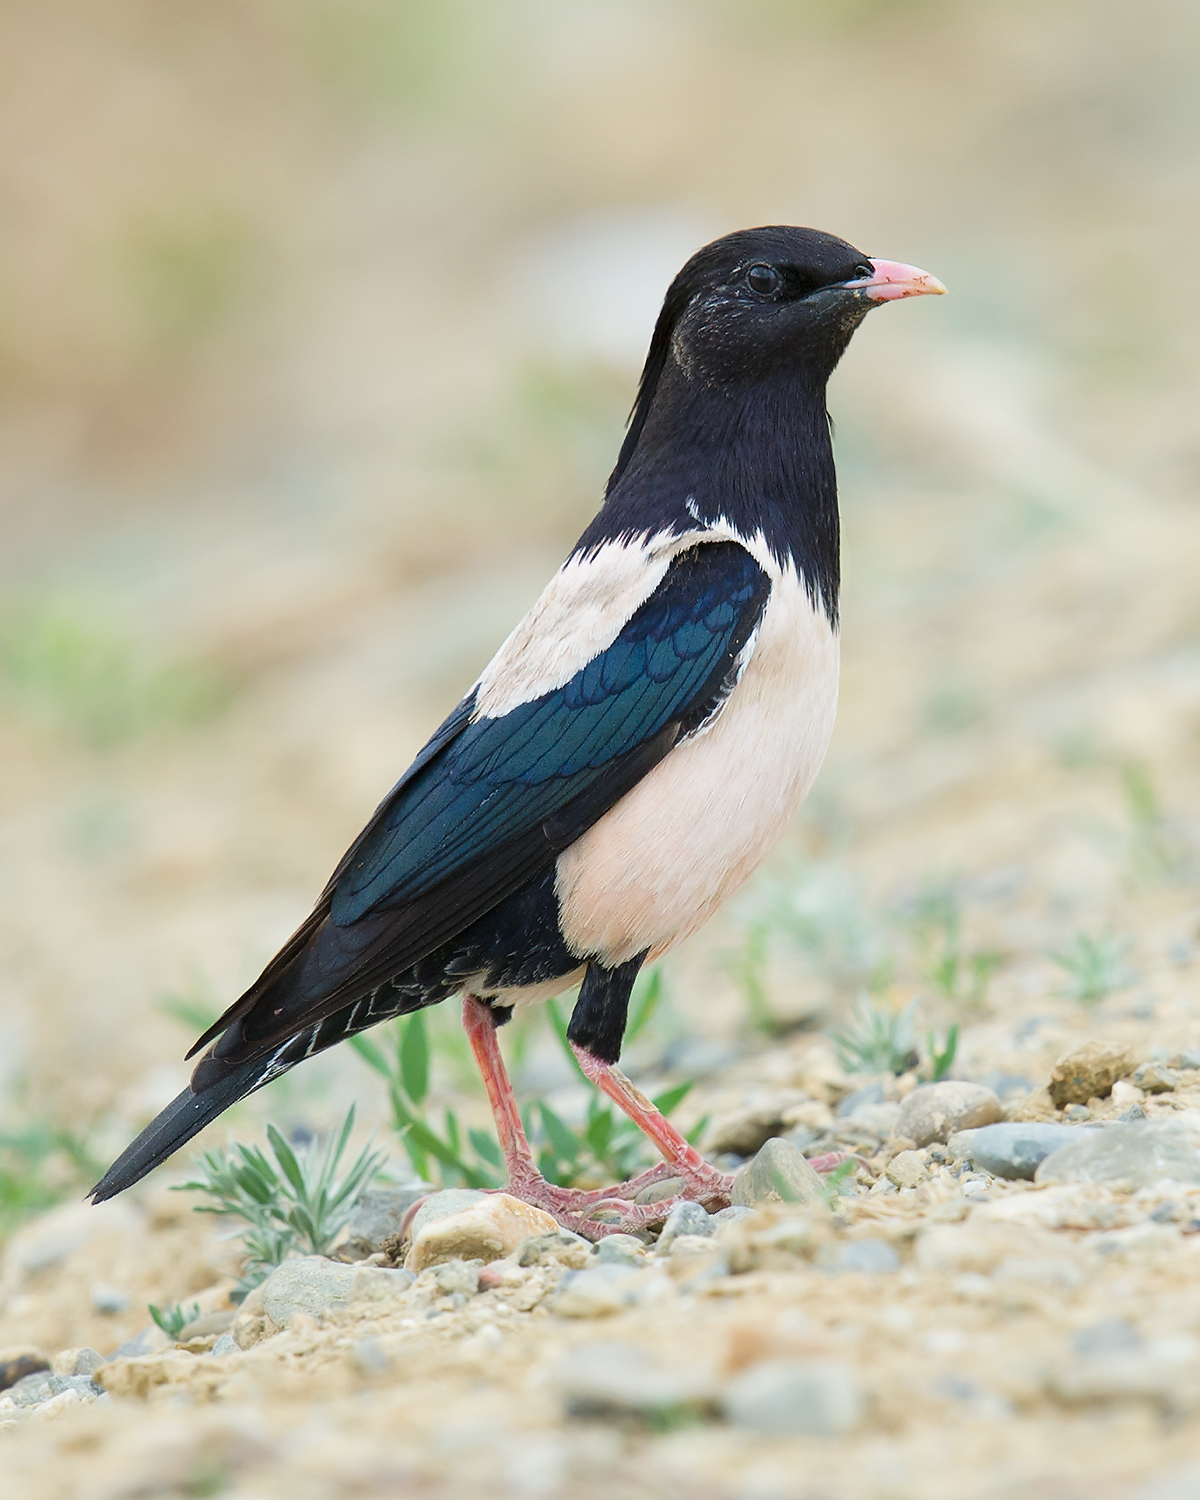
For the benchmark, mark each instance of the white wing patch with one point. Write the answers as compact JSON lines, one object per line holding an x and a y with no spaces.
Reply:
{"x":585,"y":607}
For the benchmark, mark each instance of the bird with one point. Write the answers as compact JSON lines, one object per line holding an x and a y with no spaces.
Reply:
{"x":632,"y":751}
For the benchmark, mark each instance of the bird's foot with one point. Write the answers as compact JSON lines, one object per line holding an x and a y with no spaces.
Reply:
{"x":597,"y":1212}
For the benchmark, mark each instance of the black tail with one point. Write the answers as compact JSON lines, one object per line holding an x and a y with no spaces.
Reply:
{"x":223,"y":1084}
{"x":183,"y":1118}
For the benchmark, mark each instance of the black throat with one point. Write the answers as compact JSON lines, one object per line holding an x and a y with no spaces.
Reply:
{"x":758,"y":454}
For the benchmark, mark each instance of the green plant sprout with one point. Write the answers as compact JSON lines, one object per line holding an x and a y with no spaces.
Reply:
{"x":175,"y":1318}
{"x":1094,"y":965}
{"x":961,"y":977}
{"x":941,"y":1060}
{"x":402,"y":1060}
{"x":606,"y":1145}
{"x":297,"y":1203}
{"x":877,"y":1040}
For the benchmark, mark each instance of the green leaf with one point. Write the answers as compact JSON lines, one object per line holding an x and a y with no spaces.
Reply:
{"x":559,"y":1023}
{"x":414,"y":1059}
{"x":645,"y":1004}
{"x":693,"y":1135}
{"x":371,"y":1055}
{"x":563,"y":1141}
{"x":486,"y":1146}
{"x":671,"y":1098}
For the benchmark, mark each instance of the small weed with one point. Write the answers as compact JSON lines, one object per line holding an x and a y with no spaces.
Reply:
{"x":298,"y":1202}
{"x":941,"y":1060}
{"x":1094,"y":965}
{"x":175,"y":1318}
{"x":937,"y":921}
{"x":608,"y":1146}
{"x":877,"y":1040}
{"x":402,"y":1059}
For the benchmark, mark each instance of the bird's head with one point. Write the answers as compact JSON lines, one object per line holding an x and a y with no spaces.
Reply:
{"x":763,"y":304}
{"x":775,"y":299}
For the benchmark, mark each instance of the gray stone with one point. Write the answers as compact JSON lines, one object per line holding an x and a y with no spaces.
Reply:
{"x":1139,"y":1154}
{"x":87,"y":1362}
{"x":379,"y":1215}
{"x":624,"y":1381}
{"x":936,"y":1111}
{"x":872,"y":1093}
{"x":311,"y":1283}
{"x":1154,"y":1078}
{"x":31,"y":1390}
{"x":457,"y":1277}
{"x":873,"y":1256}
{"x":1010,"y":1150}
{"x":778,"y":1174}
{"x":597,"y":1291}
{"x":560,"y":1246}
{"x":795,"y":1398}
{"x":110,"y":1300}
{"x":1188,"y":1058}
{"x":148,"y":1341}
{"x":369,"y":1358}
{"x":1109,"y":1336}
{"x":730,"y":1215}
{"x":685,"y":1218}
{"x":226,"y":1344}
{"x":620,"y":1250}
{"x":85,"y":1388}
{"x":442,"y":1205}
{"x":660,"y":1192}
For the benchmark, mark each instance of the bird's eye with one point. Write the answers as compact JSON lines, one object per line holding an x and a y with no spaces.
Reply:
{"x":763,"y":279}
{"x":866,"y":269}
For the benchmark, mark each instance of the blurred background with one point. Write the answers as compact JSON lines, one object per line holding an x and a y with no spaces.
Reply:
{"x":319,"y":323}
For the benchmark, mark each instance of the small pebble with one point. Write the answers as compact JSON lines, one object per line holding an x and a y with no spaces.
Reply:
{"x":621,"y":1250}
{"x":488,"y":1228}
{"x":795,"y":1398}
{"x":559,"y":1246}
{"x":936,"y":1111}
{"x":110,"y":1300}
{"x":731,"y":1215}
{"x":226,"y":1344}
{"x":660,"y":1192}
{"x":685,"y":1218}
{"x":368,"y":1357}
{"x":597,"y":1292}
{"x":1154,"y":1078}
{"x":872,"y":1256}
{"x":1089,"y":1072}
{"x":778,"y":1174}
{"x":1010,"y":1150}
{"x":607,"y":1380}
{"x":907,"y":1169}
{"x":1077,"y":1113}
{"x":379,"y":1215}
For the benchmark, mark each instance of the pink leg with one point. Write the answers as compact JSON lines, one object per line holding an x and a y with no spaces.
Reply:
{"x":702,"y":1181}
{"x":571,"y":1206}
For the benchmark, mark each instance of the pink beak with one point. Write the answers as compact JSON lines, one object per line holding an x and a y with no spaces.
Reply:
{"x":893,"y":280}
